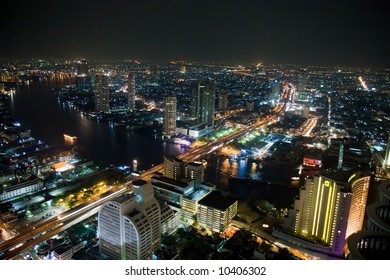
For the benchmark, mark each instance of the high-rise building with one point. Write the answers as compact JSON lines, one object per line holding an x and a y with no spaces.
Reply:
{"x":102,"y":101}
{"x":276,"y":89}
{"x":359,"y":188}
{"x":169,"y":122}
{"x":203,"y":101}
{"x":302,"y":80}
{"x":173,"y":167}
{"x":387,"y":156}
{"x":223,"y":101}
{"x":129,"y":227}
{"x":373,"y":242}
{"x":131,"y":91}
{"x":82,"y":68}
{"x":194,"y":171}
{"x":330,"y":208}
{"x":215,"y":212}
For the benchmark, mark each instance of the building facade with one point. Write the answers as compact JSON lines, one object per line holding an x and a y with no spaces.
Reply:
{"x":131,"y":91}
{"x":329,"y":209}
{"x":169,"y":121}
{"x":129,"y":227}
{"x":203,"y":101}
{"x":215,"y":212}
{"x":102,"y":95}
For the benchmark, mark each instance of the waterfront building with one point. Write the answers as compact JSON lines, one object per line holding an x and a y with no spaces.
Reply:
{"x":173,"y":167}
{"x":129,"y":227}
{"x":203,"y":101}
{"x":101,"y":90}
{"x":82,"y":68}
{"x":194,"y":171}
{"x":215,"y":211}
{"x":131,"y":91}
{"x":169,"y":121}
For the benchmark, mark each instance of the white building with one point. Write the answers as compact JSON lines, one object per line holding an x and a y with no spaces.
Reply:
{"x":130,"y":225}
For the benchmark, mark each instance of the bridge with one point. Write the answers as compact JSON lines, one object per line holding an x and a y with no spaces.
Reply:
{"x":47,"y":229}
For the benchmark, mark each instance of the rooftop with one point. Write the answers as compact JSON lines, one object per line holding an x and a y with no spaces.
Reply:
{"x":217,"y":201}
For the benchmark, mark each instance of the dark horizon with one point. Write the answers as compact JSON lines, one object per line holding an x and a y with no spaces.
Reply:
{"x":327,"y":32}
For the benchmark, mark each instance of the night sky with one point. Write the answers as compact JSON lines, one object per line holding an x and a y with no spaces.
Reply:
{"x":324,"y":32}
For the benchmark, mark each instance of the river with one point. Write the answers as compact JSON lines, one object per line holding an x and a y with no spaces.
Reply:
{"x":36,"y":107}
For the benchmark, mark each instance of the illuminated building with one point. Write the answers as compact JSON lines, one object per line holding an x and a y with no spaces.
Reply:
{"x":223,"y":101}
{"x":194,"y":171}
{"x":203,"y":101}
{"x":82,"y":68}
{"x":215,"y":212}
{"x":312,"y":161}
{"x":373,"y":243}
{"x":182,"y":196}
{"x":169,"y":122}
{"x":101,"y":91}
{"x":359,"y":187}
{"x":173,"y":167}
{"x":276,"y":88}
{"x":129,"y":226}
{"x":387,"y":156}
{"x":170,"y":219}
{"x":131,"y":91}
{"x":330,"y":207}
{"x":29,"y":187}
{"x":341,"y":156}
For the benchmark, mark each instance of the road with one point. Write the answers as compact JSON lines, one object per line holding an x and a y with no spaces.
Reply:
{"x":33,"y":235}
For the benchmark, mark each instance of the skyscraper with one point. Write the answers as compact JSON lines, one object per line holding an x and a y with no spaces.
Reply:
{"x":169,"y":122}
{"x":203,"y":101}
{"x":223,"y":101}
{"x":330,"y":208}
{"x":359,"y":188}
{"x":194,"y":171}
{"x":131,"y":91}
{"x":102,"y":101}
{"x":173,"y":167}
{"x":82,"y":68}
{"x":129,"y":226}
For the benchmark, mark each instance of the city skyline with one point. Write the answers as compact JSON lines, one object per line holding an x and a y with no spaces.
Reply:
{"x":352,"y":33}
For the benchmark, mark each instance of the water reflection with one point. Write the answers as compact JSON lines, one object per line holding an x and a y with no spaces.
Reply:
{"x":38,"y":109}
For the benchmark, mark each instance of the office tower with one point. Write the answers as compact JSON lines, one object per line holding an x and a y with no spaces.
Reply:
{"x":169,"y":122}
{"x":129,"y":226}
{"x":194,"y":171}
{"x":387,"y":156}
{"x":223,"y":101}
{"x":102,"y":102}
{"x":330,"y":207}
{"x":203,"y":102}
{"x":215,"y":212}
{"x":131,"y":91}
{"x":82,"y":68}
{"x":173,"y":167}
